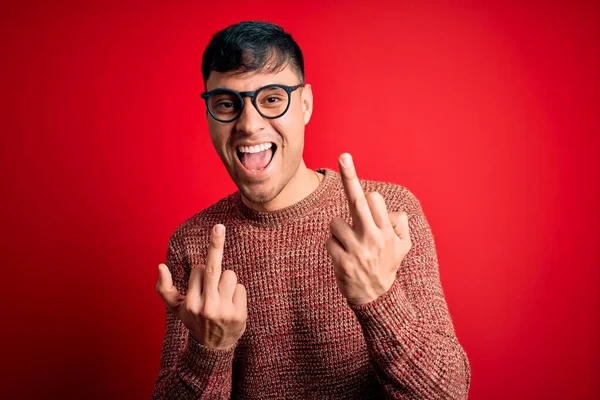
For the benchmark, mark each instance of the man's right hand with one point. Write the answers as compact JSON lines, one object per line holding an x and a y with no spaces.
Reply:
{"x":215,"y":306}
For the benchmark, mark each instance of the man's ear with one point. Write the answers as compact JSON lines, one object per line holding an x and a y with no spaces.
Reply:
{"x":307,"y":102}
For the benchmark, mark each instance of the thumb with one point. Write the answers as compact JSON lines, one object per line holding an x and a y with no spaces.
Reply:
{"x":165,"y":288}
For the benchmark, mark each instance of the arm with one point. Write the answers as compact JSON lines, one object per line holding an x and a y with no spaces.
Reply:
{"x":393,"y":287}
{"x":188,"y":369}
{"x":409,"y":330}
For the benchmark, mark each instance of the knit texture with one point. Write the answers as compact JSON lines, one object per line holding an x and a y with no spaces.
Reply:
{"x":303,"y":339}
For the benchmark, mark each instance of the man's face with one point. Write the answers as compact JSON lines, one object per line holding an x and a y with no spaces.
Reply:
{"x":261,"y":173}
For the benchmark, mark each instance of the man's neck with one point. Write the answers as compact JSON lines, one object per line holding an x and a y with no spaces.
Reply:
{"x":302,"y":184}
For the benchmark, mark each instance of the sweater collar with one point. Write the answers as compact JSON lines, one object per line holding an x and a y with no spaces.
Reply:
{"x":295,"y":211}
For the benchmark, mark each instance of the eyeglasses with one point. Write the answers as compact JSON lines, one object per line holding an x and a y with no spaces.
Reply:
{"x":271,"y":101}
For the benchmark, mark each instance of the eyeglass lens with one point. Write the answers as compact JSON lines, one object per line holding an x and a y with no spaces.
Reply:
{"x":271,"y":102}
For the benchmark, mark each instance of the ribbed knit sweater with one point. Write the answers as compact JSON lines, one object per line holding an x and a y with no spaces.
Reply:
{"x":303,"y":339}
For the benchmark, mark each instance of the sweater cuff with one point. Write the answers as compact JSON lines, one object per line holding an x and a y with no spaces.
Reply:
{"x":384,"y":316}
{"x":204,"y":361}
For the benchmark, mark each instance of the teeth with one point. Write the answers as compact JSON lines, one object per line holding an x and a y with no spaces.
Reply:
{"x":255,"y":149}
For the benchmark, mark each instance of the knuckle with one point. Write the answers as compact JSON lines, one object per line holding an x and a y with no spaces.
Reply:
{"x":209,"y":270}
{"x":209,"y":313}
{"x":364,"y":256}
{"x":191,"y":308}
{"x":373,"y":196}
{"x":229,"y":316}
{"x":377,"y":242}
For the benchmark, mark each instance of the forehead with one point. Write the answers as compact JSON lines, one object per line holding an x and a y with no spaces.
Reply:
{"x":250,"y":81}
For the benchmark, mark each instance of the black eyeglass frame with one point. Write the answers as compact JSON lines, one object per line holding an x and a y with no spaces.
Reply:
{"x":252,"y":95}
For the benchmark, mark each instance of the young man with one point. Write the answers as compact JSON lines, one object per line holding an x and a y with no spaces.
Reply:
{"x":304,"y":284}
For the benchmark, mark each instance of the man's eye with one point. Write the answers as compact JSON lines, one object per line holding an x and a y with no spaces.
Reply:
{"x":226,"y":105}
{"x":271,"y":101}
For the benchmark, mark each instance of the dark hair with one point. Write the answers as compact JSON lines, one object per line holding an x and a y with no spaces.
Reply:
{"x":252,"y":46}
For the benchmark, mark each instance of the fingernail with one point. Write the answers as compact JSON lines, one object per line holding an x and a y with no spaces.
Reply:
{"x":346,"y":160}
{"x":218,"y":229}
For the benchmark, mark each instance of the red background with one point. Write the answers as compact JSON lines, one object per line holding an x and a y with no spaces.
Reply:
{"x":488,"y":113}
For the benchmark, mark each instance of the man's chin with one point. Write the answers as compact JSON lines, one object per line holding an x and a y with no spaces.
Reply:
{"x":256,"y":196}
{"x":259,"y":193}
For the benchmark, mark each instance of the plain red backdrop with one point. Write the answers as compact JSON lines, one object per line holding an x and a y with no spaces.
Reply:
{"x":488,"y":113}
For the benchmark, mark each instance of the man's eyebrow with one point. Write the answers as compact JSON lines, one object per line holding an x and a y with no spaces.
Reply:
{"x":243,"y":91}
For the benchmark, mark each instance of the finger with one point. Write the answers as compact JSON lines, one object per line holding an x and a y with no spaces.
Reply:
{"x":195,"y":282}
{"x":343,"y":233}
{"x":361,"y":215}
{"x":227,"y":285}
{"x":378,"y":210}
{"x":335,"y":250}
{"x":240,"y":298}
{"x":399,"y":221}
{"x":165,"y":288}
{"x":212,"y":272}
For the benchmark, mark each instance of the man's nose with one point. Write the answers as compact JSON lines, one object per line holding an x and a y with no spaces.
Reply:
{"x":250,"y":121}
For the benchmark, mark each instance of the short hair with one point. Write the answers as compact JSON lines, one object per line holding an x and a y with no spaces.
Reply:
{"x":252,"y":46}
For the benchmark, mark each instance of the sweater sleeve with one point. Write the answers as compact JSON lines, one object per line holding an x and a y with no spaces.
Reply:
{"x":189,"y":370}
{"x":409,"y":331}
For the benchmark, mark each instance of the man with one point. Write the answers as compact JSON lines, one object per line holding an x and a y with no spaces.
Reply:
{"x":303,"y":284}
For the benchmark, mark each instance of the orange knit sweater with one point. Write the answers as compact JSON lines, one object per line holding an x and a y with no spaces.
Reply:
{"x":303,"y":340}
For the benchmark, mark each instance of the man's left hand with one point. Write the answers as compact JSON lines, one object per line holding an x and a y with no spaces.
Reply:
{"x":366,"y":256}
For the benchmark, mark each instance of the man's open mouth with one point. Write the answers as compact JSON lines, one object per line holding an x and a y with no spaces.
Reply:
{"x":258,"y":157}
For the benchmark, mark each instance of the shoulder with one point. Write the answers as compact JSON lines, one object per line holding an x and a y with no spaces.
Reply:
{"x":397,"y":197}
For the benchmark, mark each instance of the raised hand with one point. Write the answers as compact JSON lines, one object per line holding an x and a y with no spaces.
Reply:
{"x":214,"y":308}
{"x":366,"y":256}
